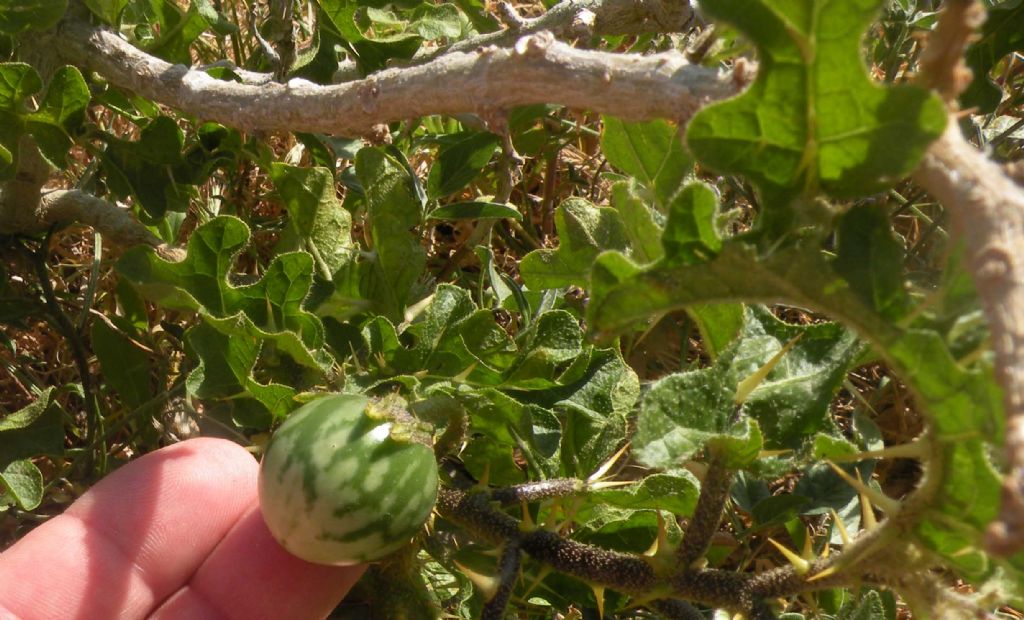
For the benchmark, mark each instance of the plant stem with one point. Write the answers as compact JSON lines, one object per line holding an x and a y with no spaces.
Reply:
{"x":93,"y":419}
{"x":714,"y":492}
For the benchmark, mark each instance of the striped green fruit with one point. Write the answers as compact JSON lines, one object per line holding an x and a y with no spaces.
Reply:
{"x":343,"y":483}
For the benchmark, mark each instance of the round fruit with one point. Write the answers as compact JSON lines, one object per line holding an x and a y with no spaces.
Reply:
{"x":342,"y":482}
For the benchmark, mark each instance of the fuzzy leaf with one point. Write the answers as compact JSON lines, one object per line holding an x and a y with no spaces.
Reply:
{"x":23,"y":482}
{"x":394,"y":210}
{"x":792,"y":402}
{"x":640,"y":222}
{"x":35,"y":429}
{"x":225,"y":373}
{"x":813,"y":120}
{"x":125,"y":367}
{"x":690,"y":235}
{"x":459,"y":161}
{"x":476,"y":210}
{"x":107,"y":10}
{"x":870,"y":257}
{"x":316,"y":216}
{"x":61,"y":113}
{"x":584,"y":231}
{"x":683,"y":413}
{"x":650,"y":152}
{"x":145,"y":168}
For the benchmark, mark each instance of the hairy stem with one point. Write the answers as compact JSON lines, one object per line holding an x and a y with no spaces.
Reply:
{"x":508,"y":570}
{"x":714,"y":492}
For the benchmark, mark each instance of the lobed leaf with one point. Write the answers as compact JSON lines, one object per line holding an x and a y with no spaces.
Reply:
{"x":813,"y":121}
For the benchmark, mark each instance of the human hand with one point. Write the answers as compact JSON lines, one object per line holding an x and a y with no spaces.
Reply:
{"x":175,"y":534}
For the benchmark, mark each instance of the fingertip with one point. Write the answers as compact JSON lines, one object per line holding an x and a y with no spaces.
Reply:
{"x":136,"y":536}
{"x":263,"y":578}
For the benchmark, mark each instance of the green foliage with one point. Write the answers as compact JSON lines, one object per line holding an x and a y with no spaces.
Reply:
{"x":318,"y":223}
{"x":681,"y":348}
{"x":649,"y":152}
{"x":813,"y":121}
{"x":584,"y":231}
{"x":459,"y":161}
{"x":36,"y":429}
{"x":1002,"y":33}
{"x":17,"y":16}
{"x":107,"y":10}
{"x":52,"y":124}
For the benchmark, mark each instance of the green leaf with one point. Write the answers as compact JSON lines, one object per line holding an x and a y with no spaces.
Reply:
{"x":199,"y":283}
{"x":66,"y":99}
{"x":641,"y":223}
{"x":960,"y":403}
{"x":370,"y":54}
{"x":650,"y":152}
{"x":870,"y":257}
{"x":1002,"y":33}
{"x":735,"y":274}
{"x":178,"y":30}
{"x":675,"y":493}
{"x":869,"y":607}
{"x":813,"y":120}
{"x":225,"y":372}
{"x":459,"y":162}
{"x":23,"y":481}
{"x":18,"y":82}
{"x":217,"y":20}
{"x":145,"y":168}
{"x":107,"y":10}
{"x":792,"y":402}
{"x":317,"y":222}
{"x":125,"y":367}
{"x":552,"y":340}
{"x":453,"y":336}
{"x":777,"y":509}
{"x":826,"y":491}
{"x":476,"y":210}
{"x":17,"y":16}
{"x":394,"y":210}
{"x":443,"y":21}
{"x":584,"y":231}
{"x":718,"y":324}
{"x":341,"y":14}
{"x":500,"y":424}
{"x":61,"y":113}
{"x":33,"y":430}
{"x":690,"y":235}
{"x":683,"y":413}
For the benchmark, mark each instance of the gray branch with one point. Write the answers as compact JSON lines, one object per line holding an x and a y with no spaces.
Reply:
{"x":56,"y":207}
{"x":538,"y":69}
{"x":987,"y":208}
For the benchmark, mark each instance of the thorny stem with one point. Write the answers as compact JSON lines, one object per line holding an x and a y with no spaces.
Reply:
{"x":714,"y":492}
{"x":533,"y":491}
{"x":508,"y":570}
{"x":637,"y":575}
{"x":674,"y":609}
